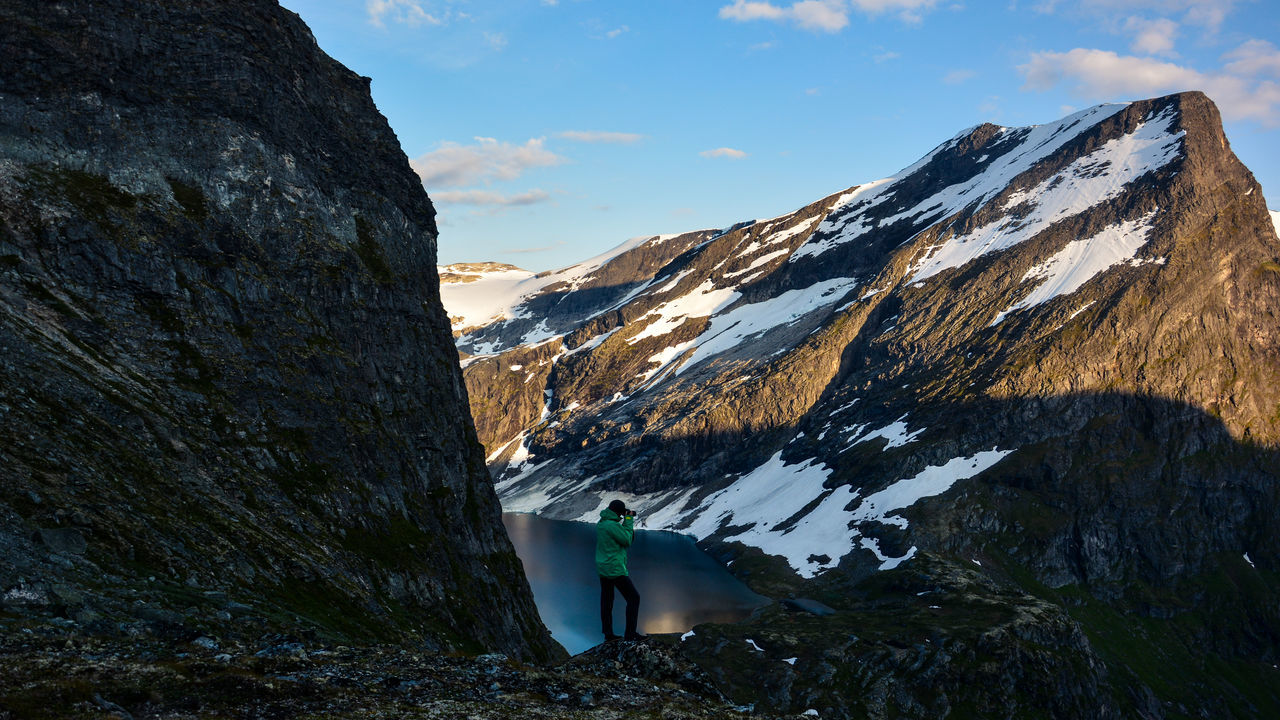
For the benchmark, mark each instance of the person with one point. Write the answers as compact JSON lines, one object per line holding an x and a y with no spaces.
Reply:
{"x":614,"y":534}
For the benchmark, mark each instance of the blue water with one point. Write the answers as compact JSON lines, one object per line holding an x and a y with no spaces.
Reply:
{"x":680,"y":586}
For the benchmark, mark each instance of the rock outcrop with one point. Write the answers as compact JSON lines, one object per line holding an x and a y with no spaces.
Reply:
{"x":228,"y":388}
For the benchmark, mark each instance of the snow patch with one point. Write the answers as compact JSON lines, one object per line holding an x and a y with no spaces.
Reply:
{"x":729,"y":329}
{"x":895,"y":433}
{"x":838,"y":232}
{"x":763,"y":259}
{"x":773,"y":493}
{"x":1077,"y":263}
{"x":699,"y":302}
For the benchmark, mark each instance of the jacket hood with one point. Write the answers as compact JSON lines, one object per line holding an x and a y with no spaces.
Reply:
{"x":607,"y":514}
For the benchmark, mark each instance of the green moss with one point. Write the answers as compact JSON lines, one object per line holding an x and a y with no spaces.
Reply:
{"x":47,"y":700}
{"x":399,"y":544}
{"x":1172,"y":655}
{"x":191,"y":199}
{"x":94,"y":195}
{"x":370,"y":253}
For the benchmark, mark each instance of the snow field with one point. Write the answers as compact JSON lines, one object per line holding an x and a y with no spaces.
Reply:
{"x":1078,"y":262}
{"x":774,"y":492}
{"x":702,"y":301}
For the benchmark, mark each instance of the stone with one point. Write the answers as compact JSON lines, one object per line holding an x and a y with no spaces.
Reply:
{"x":63,"y":540}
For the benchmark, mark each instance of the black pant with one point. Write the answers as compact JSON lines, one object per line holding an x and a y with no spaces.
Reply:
{"x":629,"y":593}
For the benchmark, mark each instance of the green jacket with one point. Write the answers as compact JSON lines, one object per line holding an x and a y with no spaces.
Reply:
{"x":612,"y":540}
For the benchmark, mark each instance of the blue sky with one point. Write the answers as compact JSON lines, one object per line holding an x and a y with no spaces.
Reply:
{"x":547,"y":131}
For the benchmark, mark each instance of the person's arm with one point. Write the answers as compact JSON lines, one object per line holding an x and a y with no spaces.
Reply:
{"x":623,"y":532}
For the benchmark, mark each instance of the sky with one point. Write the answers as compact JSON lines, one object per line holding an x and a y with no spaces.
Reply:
{"x":548,"y":131}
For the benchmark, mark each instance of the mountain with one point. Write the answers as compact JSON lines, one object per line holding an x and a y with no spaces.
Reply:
{"x":1023,"y":398}
{"x":230,"y":397}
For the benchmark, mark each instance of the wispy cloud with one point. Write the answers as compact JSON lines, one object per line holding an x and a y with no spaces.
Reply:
{"x":958,"y":76}
{"x":907,"y":10}
{"x":819,"y":15}
{"x":616,"y":32}
{"x":488,"y":197}
{"x":1152,"y":37}
{"x":1245,"y":88}
{"x":404,"y":12}
{"x":454,"y":165}
{"x":497,"y":41}
{"x":723,"y":152}
{"x":1206,"y":15}
{"x":886,"y":56}
{"x":597,"y":136}
{"x":823,"y":15}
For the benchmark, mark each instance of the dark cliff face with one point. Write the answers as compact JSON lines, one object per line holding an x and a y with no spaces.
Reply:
{"x":226,"y":374}
{"x":1047,"y":355}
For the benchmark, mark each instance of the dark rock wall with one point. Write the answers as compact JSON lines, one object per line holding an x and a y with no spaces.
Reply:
{"x":225,"y":362}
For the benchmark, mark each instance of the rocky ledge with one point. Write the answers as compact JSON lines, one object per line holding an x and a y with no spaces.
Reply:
{"x":52,"y":669}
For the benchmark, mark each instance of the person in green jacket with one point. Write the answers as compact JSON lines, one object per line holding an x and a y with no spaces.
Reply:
{"x":614,"y":534}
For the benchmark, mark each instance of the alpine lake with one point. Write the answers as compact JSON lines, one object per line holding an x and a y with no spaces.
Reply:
{"x":680,"y":585}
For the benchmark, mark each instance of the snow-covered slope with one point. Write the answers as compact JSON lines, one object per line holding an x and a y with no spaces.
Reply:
{"x":480,"y":295}
{"x":804,"y":384}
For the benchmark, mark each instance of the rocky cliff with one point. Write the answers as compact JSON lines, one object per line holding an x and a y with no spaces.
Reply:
{"x":1045,"y":355}
{"x":229,"y":395}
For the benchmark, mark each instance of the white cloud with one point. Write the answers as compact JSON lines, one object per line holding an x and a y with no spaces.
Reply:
{"x":1204,"y":14}
{"x":497,"y":41}
{"x":616,"y":32}
{"x":1239,"y":89}
{"x":886,"y":56}
{"x":742,"y":11}
{"x":405,"y":12}
{"x":908,"y":10}
{"x":723,"y":152}
{"x":1153,"y":37}
{"x":454,"y":165}
{"x":955,"y":77}
{"x":487,"y":197}
{"x":1256,"y":57}
{"x":1207,"y":14}
{"x":823,"y":15}
{"x":597,"y":136}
